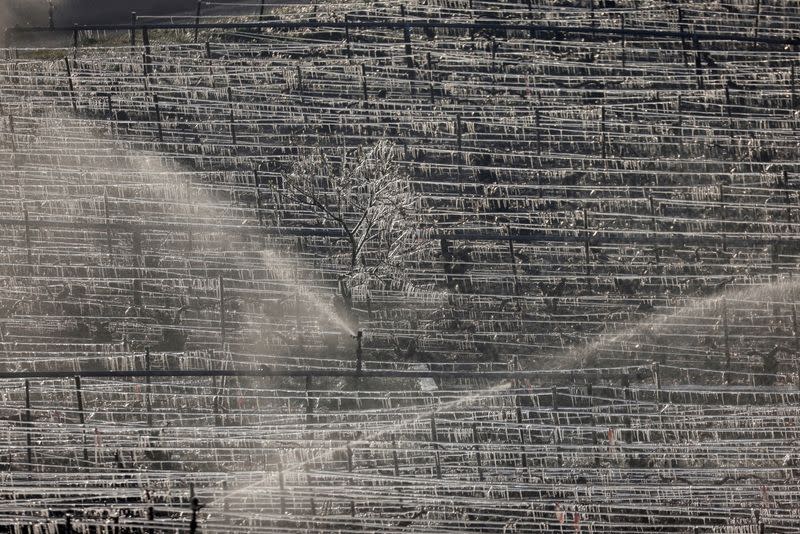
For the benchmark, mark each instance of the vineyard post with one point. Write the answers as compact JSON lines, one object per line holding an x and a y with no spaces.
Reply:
{"x":157,"y":109}
{"x":195,"y":507}
{"x":726,"y":336}
{"x":395,"y":459}
{"x":532,"y":33}
{"x":587,"y":247}
{"x":603,"y":149}
{"x":512,"y":259}
{"x":13,"y":136}
{"x":221,"y":297}
{"x":282,"y":487}
{"x":364,"y":83}
{"x":133,"y":28}
{"x":347,"y":36}
{"x":478,"y":460}
{"x":682,"y":30}
{"x":138,"y":262}
{"x":557,"y":423}
{"x":231,"y":117}
{"x":522,"y":455}
{"x":407,"y":41}
{"x":349,"y":452}
{"x":28,"y":236}
{"x":593,"y":423}
{"x":796,"y":333}
{"x":446,"y":265}
{"x":435,"y":445}
{"x":757,"y":23}
{"x":472,"y":19}
{"x":75,"y":39}
{"x":28,"y":425}
{"x":787,"y":199}
{"x":215,"y":400}
{"x":309,"y":401}
{"x":430,"y":77}
{"x":147,"y":399}
{"x":459,"y":139}
{"x":679,"y":112}
{"x":108,"y":222}
{"x":197,"y":19}
{"x":359,"y":354}
{"x":722,"y":215}
{"x":259,"y":205}
{"x":622,"y":36}
{"x":698,"y":64}
{"x":261,"y":10}
{"x":312,"y":505}
{"x":71,"y":85}
{"x":81,"y":417}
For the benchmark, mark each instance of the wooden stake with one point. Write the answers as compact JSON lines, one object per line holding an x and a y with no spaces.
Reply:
{"x":147,"y":399}
{"x":259,"y":206}
{"x":11,"y":129}
{"x":359,"y":354}
{"x":28,"y":236}
{"x":796,"y":333}
{"x":723,"y":216}
{"x":430,"y":77}
{"x":108,"y":222}
{"x":622,"y":36}
{"x":459,"y":139}
{"x":698,"y":65}
{"x":282,"y":487}
{"x":157,"y":109}
{"x":435,"y":445}
{"x":28,"y":425}
{"x":71,"y":85}
{"x":522,"y":455}
{"x":513,"y":260}
{"x":411,"y":73}
{"x":757,"y":23}
{"x":215,"y":401}
{"x":587,"y":247}
{"x":81,"y":417}
{"x":364,"y":82}
{"x":603,"y":149}
{"x":221,"y":296}
{"x":309,"y":401}
{"x":231,"y":116}
{"x":133,"y":28}
{"x":347,"y":36}
{"x":478,"y":459}
{"x":725,"y":334}
{"x":682,"y":30}
{"x":197,"y":19}
{"x":395,"y":460}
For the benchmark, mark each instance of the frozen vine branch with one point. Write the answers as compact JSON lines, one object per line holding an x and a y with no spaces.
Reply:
{"x":367,"y":195}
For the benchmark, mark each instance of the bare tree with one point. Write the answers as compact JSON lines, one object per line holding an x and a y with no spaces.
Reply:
{"x":366,"y":194}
